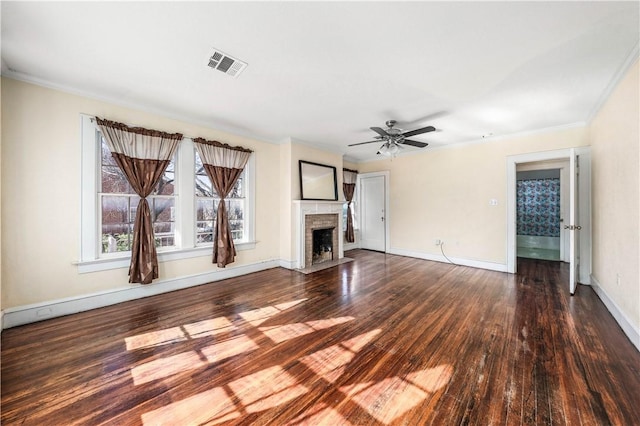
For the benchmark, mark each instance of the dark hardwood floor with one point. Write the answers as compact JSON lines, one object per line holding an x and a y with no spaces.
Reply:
{"x":382,"y":340}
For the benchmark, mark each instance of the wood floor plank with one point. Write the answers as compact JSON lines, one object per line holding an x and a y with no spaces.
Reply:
{"x":382,"y":340}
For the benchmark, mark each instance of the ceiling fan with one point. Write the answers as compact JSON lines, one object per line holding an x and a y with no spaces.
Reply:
{"x":394,"y":138}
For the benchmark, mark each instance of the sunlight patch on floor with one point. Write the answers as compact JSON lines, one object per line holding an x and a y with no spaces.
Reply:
{"x":210,"y":327}
{"x":320,"y":414}
{"x":176,"y":364}
{"x":155,"y":338}
{"x":330,"y":363}
{"x":266,"y":389}
{"x":228,"y":348}
{"x":166,"y":366}
{"x":256,"y":317}
{"x":256,"y":392}
{"x":390,"y":398}
{"x":385,"y":400}
{"x":282,"y":333}
{"x":213,"y":406}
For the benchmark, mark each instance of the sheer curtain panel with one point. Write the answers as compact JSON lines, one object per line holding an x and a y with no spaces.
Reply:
{"x":224,"y":165}
{"x":143,"y":155}
{"x":349,"y":186}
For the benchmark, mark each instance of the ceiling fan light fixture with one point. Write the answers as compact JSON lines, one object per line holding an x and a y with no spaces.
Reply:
{"x":390,"y":149}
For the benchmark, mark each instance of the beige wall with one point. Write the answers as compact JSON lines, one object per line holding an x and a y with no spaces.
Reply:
{"x":444,"y":194}
{"x":0,"y":206}
{"x":615,"y":136}
{"x":40,"y":168}
{"x":350,"y":165}
{"x":286,"y":205}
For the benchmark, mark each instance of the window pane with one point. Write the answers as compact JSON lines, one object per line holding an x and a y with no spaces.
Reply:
{"x":116,"y":224}
{"x":162,"y":209}
{"x":167,"y":182}
{"x":204,"y":187}
{"x":206,"y":209}
{"x":105,"y":154}
{"x":204,"y":231}
{"x":164,"y":234}
{"x":238,"y":190}
{"x":162,"y":215}
{"x":235,"y":210}
{"x":114,"y":182}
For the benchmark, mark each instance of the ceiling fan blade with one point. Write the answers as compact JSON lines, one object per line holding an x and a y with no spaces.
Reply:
{"x":379,"y":131}
{"x":414,"y":143}
{"x":419,"y":131}
{"x":362,"y":143}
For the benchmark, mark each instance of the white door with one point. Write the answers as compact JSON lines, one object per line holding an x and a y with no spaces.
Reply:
{"x":572,"y":226}
{"x":579,"y":226}
{"x":372,"y":212}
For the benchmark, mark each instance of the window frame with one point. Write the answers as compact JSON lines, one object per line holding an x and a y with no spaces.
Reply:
{"x":246,"y":226}
{"x":91,"y":258}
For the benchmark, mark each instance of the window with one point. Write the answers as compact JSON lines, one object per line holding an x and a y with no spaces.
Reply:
{"x":183,"y":207}
{"x":353,"y":212}
{"x":118,"y":204}
{"x":207,"y":201}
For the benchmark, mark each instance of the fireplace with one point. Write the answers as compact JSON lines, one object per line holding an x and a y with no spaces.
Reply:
{"x":316,"y":215}
{"x":320,"y":230}
{"x":322,"y":245}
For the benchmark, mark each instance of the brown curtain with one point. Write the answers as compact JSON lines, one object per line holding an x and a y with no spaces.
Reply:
{"x":143,"y":155}
{"x":349,"y":187}
{"x":224,"y":165}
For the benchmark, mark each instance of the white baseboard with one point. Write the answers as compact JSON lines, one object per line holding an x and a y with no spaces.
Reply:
{"x":287,"y":264}
{"x":632,"y":332}
{"x":459,"y":261}
{"x":351,"y":246}
{"x":40,"y":311}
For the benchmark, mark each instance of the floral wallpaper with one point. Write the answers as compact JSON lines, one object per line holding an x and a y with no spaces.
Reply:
{"x":539,"y":207}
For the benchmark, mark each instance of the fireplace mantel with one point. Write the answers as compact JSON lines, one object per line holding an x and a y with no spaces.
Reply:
{"x":303,"y":208}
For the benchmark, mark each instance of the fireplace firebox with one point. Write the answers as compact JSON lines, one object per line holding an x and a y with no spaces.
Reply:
{"x":322,"y":245}
{"x":328,"y":250}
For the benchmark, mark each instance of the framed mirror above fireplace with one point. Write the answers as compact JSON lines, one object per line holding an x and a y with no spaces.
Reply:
{"x":318,"y":181}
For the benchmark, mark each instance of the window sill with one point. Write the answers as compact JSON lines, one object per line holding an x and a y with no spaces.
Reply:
{"x":105,"y":264}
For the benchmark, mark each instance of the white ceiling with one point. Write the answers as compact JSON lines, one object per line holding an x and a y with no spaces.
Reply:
{"x":323,"y":73}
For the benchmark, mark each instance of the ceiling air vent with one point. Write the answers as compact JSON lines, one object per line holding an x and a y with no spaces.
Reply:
{"x":225,"y":63}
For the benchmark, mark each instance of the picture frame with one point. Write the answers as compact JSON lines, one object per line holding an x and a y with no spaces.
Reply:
{"x":318,"y":181}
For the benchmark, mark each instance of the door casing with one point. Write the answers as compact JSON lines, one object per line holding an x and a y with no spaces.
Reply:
{"x":584,"y":200}
{"x":362,"y":203}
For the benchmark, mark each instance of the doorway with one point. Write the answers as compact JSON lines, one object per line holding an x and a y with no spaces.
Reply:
{"x":373,"y":189}
{"x":542,"y":203}
{"x":577,"y":222}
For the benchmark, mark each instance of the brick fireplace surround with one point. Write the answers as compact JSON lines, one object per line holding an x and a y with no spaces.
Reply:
{"x":319,"y":221}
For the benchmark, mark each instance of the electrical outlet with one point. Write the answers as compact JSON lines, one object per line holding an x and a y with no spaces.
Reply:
{"x":438,"y":242}
{"x":617,"y":279}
